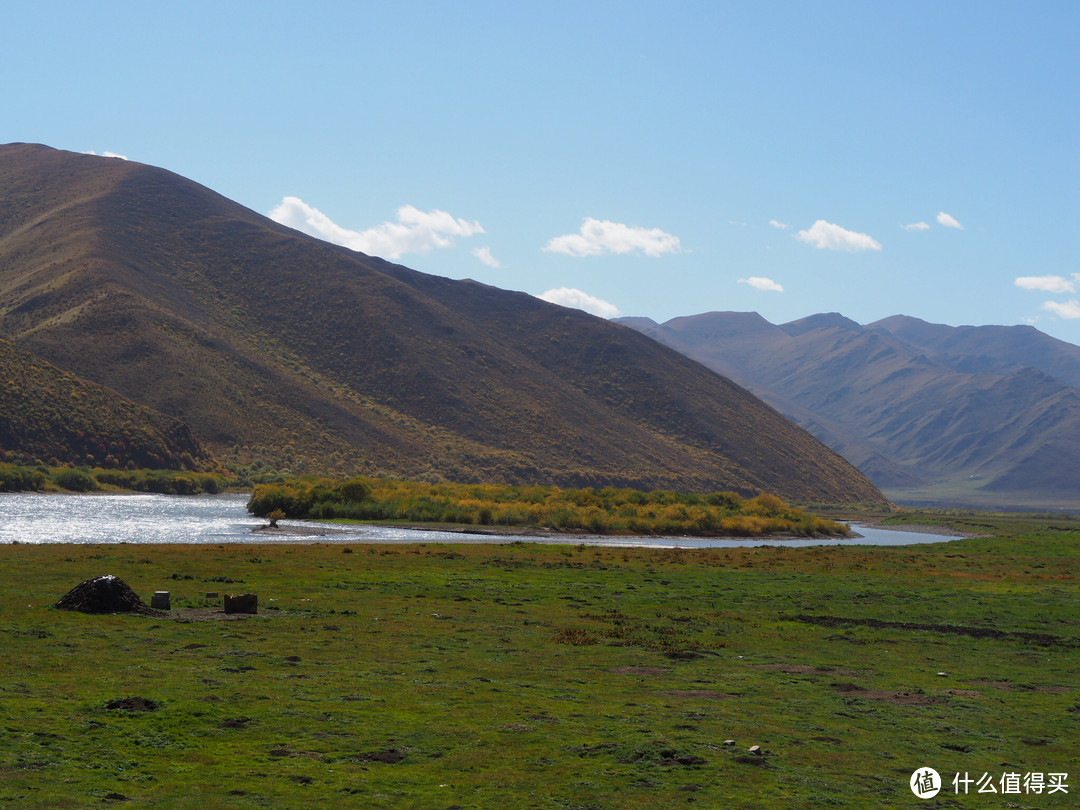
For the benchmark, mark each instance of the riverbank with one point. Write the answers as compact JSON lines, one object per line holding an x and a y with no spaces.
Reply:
{"x":873,"y":533}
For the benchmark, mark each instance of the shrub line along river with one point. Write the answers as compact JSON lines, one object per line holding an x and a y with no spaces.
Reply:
{"x":137,"y":518}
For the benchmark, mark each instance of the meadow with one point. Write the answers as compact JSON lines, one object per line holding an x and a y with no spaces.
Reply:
{"x":547,"y":676}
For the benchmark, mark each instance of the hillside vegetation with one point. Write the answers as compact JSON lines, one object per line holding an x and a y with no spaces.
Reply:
{"x":277,"y":348}
{"x":48,"y":416}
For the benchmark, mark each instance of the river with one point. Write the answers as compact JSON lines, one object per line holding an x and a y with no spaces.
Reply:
{"x":49,"y":518}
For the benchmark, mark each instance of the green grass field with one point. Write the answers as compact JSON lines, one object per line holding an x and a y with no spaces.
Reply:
{"x":529,"y":675}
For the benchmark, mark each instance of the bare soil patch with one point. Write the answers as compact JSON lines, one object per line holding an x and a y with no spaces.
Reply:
{"x":133,"y":704}
{"x":1045,"y":639}
{"x":803,"y":669}
{"x":700,"y":694}
{"x":888,"y":695}
{"x":685,"y":761}
{"x":206,"y":615}
{"x":391,"y":756}
{"x":1005,"y":686}
{"x":640,"y":670}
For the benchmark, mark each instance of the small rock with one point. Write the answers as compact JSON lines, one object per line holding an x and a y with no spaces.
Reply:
{"x":943,"y":674}
{"x":755,"y":750}
{"x":729,"y":742}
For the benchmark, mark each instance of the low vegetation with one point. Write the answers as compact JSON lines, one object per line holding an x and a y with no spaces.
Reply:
{"x":21,"y":478}
{"x":598,"y":511}
{"x":533,"y":675}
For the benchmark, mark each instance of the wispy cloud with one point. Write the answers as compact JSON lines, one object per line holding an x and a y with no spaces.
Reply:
{"x":827,"y":236}
{"x":576,"y":299}
{"x":916,"y":226}
{"x":484,"y":255}
{"x":948,"y":221}
{"x":597,"y":237}
{"x":762,"y":283}
{"x":781,"y":225}
{"x":1067,"y":309}
{"x":1057,"y":285}
{"x":1051,"y":284}
{"x":415,"y":231}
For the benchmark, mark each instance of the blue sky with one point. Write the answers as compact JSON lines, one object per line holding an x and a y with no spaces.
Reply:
{"x":635,"y":158}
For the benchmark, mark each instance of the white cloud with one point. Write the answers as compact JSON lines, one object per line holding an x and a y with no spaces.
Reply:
{"x":781,"y":225}
{"x":948,"y":221}
{"x":826,"y":236}
{"x":415,"y":231}
{"x":107,"y":154}
{"x":576,"y":299}
{"x":1051,"y":284}
{"x":484,"y":255}
{"x":916,"y":226}
{"x":761,"y":283}
{"x":602,"y":236}
{"x":1069,"y":309}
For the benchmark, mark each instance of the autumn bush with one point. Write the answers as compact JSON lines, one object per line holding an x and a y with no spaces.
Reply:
{"x":607,"y":510}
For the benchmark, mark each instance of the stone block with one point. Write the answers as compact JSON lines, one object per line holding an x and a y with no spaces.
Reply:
{"x":242,"y":603}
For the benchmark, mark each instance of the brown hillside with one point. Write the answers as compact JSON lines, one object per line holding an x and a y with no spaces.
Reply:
{"x":48,"y":416}
{"x":324,"y":359}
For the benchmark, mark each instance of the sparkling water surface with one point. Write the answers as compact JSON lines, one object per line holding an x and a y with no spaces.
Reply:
{"x":50,"y":518}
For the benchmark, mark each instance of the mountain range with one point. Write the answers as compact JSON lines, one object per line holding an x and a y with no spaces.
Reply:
{"x":984,"y":416}
{"x":272,"y":347}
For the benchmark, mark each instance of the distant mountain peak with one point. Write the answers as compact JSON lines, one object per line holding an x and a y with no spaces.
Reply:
{"x":824,"y":320}
{"x":920,"y":407}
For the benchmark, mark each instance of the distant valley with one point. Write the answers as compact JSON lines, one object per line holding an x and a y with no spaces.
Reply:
{"x":980,"y":416}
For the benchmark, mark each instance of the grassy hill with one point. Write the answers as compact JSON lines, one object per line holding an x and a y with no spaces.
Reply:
{"x":273,"y":345}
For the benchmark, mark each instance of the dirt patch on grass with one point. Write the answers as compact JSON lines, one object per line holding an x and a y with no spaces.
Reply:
{"x":699,"y":694}
{"x":133,"y":704}
{"x":685,"y":761}
{"x":391,"y":756}
{"x":803,"y":669}
{"x":235,"y":722}
{"x":888,"y":695}
{"x":1044,"y":639}
{"x":1009,"y":686}
{"x":640,"y":670}
{"x":1004,"y":686}
{"x":206,"y":615}
{"x":848,"y":687}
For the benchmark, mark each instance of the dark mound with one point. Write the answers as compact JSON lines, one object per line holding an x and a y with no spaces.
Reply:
{"x":391,"y":756}
{"x":133,"y":704}
{"x":106,"y":594}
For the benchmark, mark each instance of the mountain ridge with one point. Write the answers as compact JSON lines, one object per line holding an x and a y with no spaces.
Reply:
{"x":931,"y":413}
{"x":271,"y":344}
